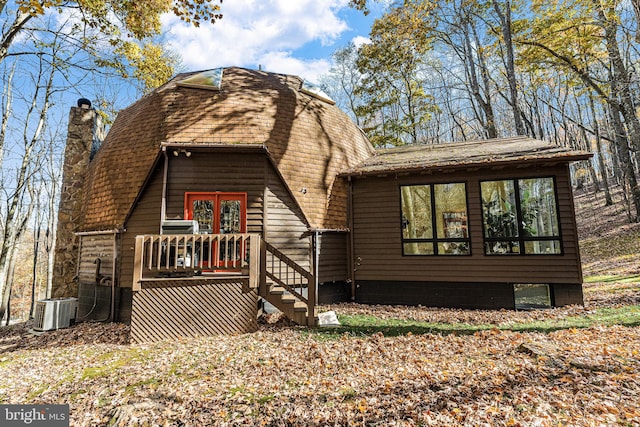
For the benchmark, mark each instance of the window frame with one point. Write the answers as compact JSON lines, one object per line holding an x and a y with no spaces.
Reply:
{"x":435,"y":240}
{"x":522,"y":238}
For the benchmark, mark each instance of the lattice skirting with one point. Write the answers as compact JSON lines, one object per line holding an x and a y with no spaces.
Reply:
{"x":202,"y":308}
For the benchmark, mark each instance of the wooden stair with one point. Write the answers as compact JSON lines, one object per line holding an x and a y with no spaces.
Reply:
{"x":287,"y":303}
{"x":282,"y":284}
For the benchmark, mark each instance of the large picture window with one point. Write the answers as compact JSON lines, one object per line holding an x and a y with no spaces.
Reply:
{"x":434,"y":219}
{"x":520,"y":216}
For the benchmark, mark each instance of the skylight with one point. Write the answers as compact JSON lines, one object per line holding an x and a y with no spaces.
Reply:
{"x":315,"y":91}
{"x":210,"y":79}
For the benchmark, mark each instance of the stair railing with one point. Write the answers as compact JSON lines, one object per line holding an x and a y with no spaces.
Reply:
{"x":288,"y":274}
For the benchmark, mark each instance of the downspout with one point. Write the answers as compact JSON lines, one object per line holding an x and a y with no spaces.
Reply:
{"x":165,"y":174}
{"x":350,"y":246}
{"x":112,"y":314}
{"x":316,"y":265}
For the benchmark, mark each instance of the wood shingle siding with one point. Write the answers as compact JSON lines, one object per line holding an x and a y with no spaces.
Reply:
{"x":309,"y":141}
{"x":310,"y":176}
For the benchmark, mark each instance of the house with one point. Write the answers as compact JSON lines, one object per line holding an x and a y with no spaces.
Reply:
{"x":228,"y":186}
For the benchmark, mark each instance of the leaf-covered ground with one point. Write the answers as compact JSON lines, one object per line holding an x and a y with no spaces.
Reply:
{"x":552,"y":375}
{"x":286,"y":376}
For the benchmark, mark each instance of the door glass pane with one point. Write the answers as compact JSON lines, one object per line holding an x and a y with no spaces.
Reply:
{"x":230,"y":216}
{"x":203,"y":213}
{"x":416,"y":212}
{"x":499,"y":209}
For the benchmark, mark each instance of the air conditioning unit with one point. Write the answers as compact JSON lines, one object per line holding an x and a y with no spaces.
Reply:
{"x":179,"y":226}
{"x":55,"y":313}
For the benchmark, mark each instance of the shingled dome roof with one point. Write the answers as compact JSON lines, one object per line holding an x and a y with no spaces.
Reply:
{"x":307,"y":137}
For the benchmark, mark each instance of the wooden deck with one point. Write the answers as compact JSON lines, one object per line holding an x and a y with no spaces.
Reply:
{"x":199,"y":285}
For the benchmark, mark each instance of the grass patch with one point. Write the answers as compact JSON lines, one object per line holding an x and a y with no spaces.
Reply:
{"x":111,"y":362}
{"x":361,"y":325}
{"x":4,"y":361}
{"x":634,"y":278}
{"x":151,"y":382}
{"x":37,"y":392}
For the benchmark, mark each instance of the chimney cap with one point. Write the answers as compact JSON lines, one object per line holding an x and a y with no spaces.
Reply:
{"x":84,"y":103}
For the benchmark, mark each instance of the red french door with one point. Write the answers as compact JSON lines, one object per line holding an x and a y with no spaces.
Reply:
{"x":218,"y":213}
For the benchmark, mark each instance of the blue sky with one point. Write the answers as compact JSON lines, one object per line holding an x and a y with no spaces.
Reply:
{"x":285,"y":36}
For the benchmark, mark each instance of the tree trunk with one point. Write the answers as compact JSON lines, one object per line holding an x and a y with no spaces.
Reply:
{"x":624,"y":156}
{"x":489,"y":122}
{"x":601,"y":164}
{"x":621,"y":81}
{"x":505,"y":27}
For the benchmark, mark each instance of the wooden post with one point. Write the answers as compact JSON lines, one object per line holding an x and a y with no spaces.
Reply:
{"x":312,"y":285}
{"x":137,"y":263}
{"x":263,"y":268}
{"x":254,"y":261}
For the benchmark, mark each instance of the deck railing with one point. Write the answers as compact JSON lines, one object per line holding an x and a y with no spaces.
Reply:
{"x":184,"y":255}
{"x":181,"y":256}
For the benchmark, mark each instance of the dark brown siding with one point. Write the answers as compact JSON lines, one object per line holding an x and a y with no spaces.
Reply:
{"x":378,"y":247}
{"x":145,"y":219}
{"x":332,"y":265}
{"x":333,"y":268}
{"x":94,"y":297}
{"x":217,"y":171}
{"x":224,"y":172}
{"x":285,"y":225}
{"x":453,"y":295}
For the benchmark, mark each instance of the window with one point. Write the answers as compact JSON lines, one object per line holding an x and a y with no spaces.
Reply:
{"x":528,"y":296}
{"x":434,"y":219}
{"x":520,"y":216}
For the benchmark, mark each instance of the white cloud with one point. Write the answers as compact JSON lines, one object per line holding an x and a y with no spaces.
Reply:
{"x":265,"y":32}
{"x":360,"y":40}
{"x":283,"y":62}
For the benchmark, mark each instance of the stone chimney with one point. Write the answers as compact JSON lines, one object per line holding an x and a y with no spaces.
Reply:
{"x":84,"y":136}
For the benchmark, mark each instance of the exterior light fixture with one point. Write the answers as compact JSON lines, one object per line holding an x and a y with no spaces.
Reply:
{"x":177,"y":152}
